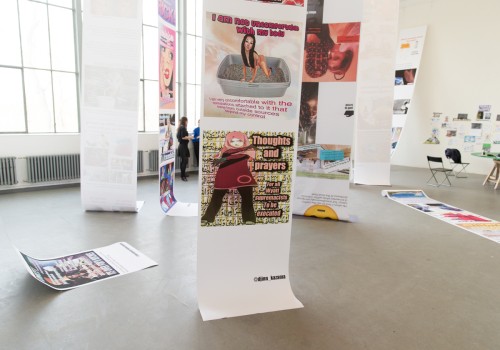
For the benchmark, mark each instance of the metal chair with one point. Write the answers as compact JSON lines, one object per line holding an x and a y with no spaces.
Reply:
{"x":436,"y":166}
{"x":456,"y":163}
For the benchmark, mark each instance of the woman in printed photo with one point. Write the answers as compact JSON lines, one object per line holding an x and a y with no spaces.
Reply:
{"x":252,"y":59}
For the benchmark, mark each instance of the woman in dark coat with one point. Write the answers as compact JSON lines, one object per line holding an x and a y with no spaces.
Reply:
{"x":183,"y":137}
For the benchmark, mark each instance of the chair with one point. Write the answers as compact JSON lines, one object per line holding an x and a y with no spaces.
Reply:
{"x":436,"y":166}
{"x":455,"y":159}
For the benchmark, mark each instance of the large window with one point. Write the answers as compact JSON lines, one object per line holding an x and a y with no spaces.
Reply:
{"x":38,"y":76}
{"x":193,"y":59}
{"x":39,"y":68}
{"x":148,"y":116}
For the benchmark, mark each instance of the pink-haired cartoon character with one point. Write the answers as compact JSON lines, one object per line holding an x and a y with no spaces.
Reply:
{"x":233,"y":173}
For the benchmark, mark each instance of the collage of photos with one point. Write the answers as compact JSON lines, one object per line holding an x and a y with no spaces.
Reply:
{"x":469,"y":135}
{"x":167,"y":158}
{"x":409,"y":53}
{"x":471,"y":222}
{"x":246,"y":178}
{"x":250,"y":67}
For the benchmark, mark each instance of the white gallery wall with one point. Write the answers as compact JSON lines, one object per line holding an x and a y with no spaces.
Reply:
{"x":459,"y":71}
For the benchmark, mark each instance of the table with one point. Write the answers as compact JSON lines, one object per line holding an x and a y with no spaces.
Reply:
{"x":494,"y":175}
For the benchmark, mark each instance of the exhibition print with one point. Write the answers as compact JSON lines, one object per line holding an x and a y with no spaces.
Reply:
{"x":167,"y":161}
{"x":409,"y":52}
{"x":331,"y":52}
{"x":167,"y":94}
{"x":167,"y":61}
{"x":250,"y":105}
{"x":166,"y":11}
{"x":78,"y":269}
{"x":418,"y":200}
{"x":246,"y":177}
{"x":109,"y":105}
{"x":326,"y":126}
{"x":251,"y":67}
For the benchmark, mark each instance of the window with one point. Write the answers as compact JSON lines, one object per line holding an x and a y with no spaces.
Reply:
{"x":193,"y":60}
{"x":39,"y":70}
{"x":38,"y":67}
{"x":148,"y":116}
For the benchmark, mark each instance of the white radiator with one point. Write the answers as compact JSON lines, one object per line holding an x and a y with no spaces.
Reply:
{"x":8,"y":174}
{"x":53,"y":168}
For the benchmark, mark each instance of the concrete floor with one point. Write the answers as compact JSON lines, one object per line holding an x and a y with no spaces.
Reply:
{"x":395,"y":279}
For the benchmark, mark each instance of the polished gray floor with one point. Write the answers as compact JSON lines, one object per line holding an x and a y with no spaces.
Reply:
{"x":394,"y":279}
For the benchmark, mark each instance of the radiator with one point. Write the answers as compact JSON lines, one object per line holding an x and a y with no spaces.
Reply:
{"x":140,"y":162}
{"x":53,"y":168}
{"x":8,"y":171}
{"x":153,"y":160}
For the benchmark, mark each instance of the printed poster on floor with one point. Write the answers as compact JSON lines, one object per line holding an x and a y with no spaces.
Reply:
{"x":166,"y":83}
{"x":418,"y":200}
{"x":251,"y":91}
{"x":327,"y":110}
{"x":78,"y":269}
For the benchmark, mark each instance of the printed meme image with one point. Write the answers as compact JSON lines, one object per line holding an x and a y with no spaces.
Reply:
{"x":246,"y":177}
{"x":167,"y":130}
{"x":324,"y":161}
{"x":331,"y":54}
{"x":251,"y":67}
{"x":167,"y":67}
{"x":167,"y":199}
{"x":330,"y":49}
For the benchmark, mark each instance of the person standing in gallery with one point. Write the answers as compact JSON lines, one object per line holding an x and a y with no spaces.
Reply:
{"x":183,"y":151}
{"x":196,"y":142}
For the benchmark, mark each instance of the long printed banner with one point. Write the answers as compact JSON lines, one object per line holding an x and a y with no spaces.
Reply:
{"x":327,"y":108}
{"x":471,"y":222}
{"x":411,"y":44}
{"x":111,"y":56}
{"x":377,"y":54}
{"x":250,"y":109}
{"x":167,"y":84}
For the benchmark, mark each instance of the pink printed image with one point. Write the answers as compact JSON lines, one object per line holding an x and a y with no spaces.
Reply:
{"x":167,"y":68}
{"x":331,"y":54}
